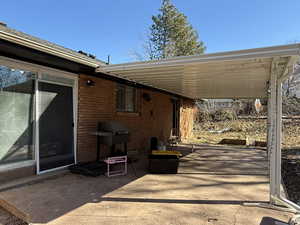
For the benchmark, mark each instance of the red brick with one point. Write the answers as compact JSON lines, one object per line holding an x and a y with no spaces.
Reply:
{"x":98,"y":103}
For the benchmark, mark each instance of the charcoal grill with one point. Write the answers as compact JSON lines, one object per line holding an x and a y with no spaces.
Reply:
{"x":111,"y":133}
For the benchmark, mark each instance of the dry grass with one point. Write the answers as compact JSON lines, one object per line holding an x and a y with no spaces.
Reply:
{"x":253,"y":129}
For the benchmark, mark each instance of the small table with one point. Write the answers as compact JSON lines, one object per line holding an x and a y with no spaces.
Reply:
{"x":116,"y":160}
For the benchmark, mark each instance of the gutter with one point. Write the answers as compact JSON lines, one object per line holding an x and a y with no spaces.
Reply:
{"x":47,"y":49}
{"x":284,"y":50}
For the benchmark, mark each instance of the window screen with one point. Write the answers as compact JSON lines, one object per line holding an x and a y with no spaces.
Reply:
{"x":126,"y":98}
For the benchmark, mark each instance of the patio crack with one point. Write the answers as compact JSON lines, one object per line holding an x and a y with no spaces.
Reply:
{"x":235,"y":215}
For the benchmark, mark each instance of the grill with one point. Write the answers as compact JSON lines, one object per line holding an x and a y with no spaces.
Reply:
{"x":111,"y":133}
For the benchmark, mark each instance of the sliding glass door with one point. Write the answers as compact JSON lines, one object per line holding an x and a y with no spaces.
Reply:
{"x":16,"y":115}
{"x":37,"y":114}
{"x":55,"y":125}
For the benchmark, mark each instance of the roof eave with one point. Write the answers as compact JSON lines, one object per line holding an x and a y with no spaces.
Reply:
{"x":47,"y":49}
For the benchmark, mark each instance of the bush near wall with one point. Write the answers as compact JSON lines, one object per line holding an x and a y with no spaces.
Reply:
{"x":223,"y":115}
{"x":215,"y":116}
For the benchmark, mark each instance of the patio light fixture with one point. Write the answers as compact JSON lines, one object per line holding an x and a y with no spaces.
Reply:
{"x":90,"y":83}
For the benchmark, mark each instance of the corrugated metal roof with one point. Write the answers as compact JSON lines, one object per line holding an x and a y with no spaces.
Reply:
{"x":236,"y":74}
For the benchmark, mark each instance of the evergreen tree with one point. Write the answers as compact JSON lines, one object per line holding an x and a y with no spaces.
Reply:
{"x":172,"y":35}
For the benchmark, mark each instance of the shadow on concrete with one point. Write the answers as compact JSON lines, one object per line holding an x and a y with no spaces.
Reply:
{"x":56,"y":197}
{"x":222,"y":160}
{"x":44,"y":200}
{"x":271,"y":221}
{"x":224,"y":174}
{"x":179,"y":201}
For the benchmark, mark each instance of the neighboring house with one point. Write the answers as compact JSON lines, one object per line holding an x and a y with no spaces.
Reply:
{"x":51,"y":99}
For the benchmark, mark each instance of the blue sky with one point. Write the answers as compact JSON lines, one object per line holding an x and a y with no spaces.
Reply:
{"x":118,"y":27}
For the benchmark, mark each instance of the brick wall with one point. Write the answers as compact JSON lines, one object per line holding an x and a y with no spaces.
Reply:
{"x":97,"y":103}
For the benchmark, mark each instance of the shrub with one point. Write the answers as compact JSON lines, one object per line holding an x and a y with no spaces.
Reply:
{"x":215,"y":116}
{"x":223,"y":115}
{"x":291,"y":106}
{"x":203,"y":116}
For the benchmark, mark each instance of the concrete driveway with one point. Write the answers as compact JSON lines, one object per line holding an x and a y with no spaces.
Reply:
{"x":212,"y":185}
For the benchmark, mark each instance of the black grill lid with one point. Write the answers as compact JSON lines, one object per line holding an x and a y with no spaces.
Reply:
{"x":113,"y":126}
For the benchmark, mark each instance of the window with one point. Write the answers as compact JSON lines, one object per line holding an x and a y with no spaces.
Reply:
{"x":16,"y":115}
{"x":126,"y":98}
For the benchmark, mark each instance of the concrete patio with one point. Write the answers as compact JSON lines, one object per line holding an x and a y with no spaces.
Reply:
{"x":212,"y":184}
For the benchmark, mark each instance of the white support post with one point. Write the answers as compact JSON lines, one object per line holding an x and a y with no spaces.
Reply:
{"x":275,"y":139}
{"x":278,"y":137}
{"x":274,"y":134}
{"x":272,"y":100}
{"x":274,"y":131}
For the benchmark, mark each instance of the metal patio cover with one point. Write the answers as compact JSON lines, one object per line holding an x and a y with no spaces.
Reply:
{"x":234,"y":74}
{"x":253,"y":73}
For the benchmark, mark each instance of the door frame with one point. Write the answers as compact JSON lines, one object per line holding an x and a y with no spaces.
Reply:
{"x":175,"y":117}
{"x":38,"y":70}
{"x":74,"y":87}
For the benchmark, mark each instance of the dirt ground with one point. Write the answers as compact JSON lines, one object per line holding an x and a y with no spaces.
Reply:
{"x":254,"y":129}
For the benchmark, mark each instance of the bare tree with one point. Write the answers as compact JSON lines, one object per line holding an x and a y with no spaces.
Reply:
{"x":9,"y":77}
{"x":290,"y":85}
